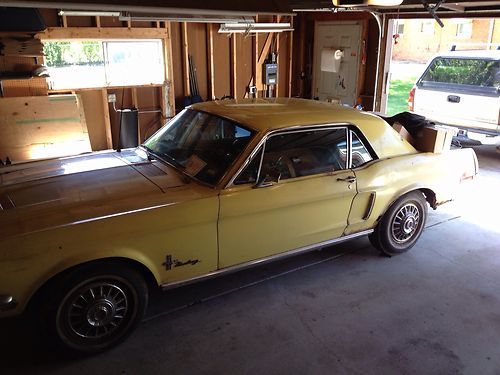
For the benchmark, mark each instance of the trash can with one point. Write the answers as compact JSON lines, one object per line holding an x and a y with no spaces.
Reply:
{"x":129,"y":129}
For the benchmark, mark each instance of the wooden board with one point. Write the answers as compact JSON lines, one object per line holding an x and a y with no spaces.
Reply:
{"x":94,"y":117}
{"x":41,"y":127}
{"x":222,"y":65}
{"x":36,"y":86}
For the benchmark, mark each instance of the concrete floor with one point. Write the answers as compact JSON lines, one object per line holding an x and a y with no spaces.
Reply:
{"x":343,"y":310}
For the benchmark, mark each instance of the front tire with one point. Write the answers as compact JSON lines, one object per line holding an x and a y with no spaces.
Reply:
{"x":402,"y":225}
{"x":95,"y":307}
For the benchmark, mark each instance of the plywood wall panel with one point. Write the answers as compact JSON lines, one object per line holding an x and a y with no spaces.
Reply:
{"x":112,"y":22}
{"x":177,"y":61}
{"x":50,"y":17}
{"x":86,"y":21}
{"x":222,"y":69}
{"x":149,"y":100}
{"x":244,"y":67}
{"x":197,"y":41}
{"x":41,"y":127}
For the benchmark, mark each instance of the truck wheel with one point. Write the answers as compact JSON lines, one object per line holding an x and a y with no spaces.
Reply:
{"x":401,"y":225}
{"x":95,"y":307}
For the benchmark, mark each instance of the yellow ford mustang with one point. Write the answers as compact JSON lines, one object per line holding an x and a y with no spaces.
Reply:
{"x":223,"y":186}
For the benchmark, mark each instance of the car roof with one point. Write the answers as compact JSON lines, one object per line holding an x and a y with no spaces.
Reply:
{"x":264,"y":115}
{"x":269,"y":114}
{"x":488,"y":54}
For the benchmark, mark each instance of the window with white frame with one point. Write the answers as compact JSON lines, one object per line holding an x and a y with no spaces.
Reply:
{"x":464,"y":29}
{"x":103,"y":63}
{"x":427,"y":26}
{"x":400,"y":27}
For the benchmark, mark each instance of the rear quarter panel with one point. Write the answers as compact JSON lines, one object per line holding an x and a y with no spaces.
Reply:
{"x":388,"y":179}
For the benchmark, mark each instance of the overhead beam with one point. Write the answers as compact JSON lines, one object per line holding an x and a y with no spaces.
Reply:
{"x":195,"y":7}
{"x":87,"y":33}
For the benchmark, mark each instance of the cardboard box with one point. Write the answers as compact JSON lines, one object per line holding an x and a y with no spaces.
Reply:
{"x":404,"y":133}
{"x":436,"y":139}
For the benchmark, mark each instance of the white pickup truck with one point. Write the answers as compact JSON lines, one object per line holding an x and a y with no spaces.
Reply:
{"x":462,"y":89}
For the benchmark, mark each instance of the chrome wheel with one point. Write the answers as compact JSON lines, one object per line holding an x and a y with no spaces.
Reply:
{"x":405,"y":223}
{"x":402,"y":224}
{"x":97,"y":310}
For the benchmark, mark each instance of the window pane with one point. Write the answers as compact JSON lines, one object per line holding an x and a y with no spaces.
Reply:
{"x":97,"y":63}
{"x":134,"y":63}
{"x":74,"y":64}
{"x":305,"y":153}
{"x":477,"y":72}
{"x":249,"y":174}
{"x":360,"y":154}
{"x":202,"y":145}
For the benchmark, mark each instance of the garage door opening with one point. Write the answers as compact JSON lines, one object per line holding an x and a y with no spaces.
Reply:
{"x":413,"y":42}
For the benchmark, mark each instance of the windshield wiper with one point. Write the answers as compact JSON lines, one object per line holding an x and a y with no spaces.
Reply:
{"x":164,"y":157}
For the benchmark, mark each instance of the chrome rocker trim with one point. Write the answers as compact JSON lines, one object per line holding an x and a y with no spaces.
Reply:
{"x":268,"y":259}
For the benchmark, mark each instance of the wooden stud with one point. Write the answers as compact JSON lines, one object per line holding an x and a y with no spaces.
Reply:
{"x":210,"y":59}
{"x":98,"y":21}
{"x":135,"y":104}
{"x":185,"y":59}
{"x":157,"y":24}
{"x":169,"y":72}
{"x":257,"y":73}
{"x":65,"y":21}
{"x":234,"y":80}
{"x":107,"y":119}
{"x":301,"y":54}
{"x":129,"y":23}
{"x":290,"y":58}
{"x":102,"y":33}
{"x":278,"y":60}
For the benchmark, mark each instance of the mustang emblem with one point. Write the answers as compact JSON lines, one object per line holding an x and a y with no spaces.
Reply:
{"x":169,"y":262}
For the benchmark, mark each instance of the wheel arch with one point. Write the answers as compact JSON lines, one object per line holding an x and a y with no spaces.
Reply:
{"x":429,"y":195}
{"x":143,"y":270}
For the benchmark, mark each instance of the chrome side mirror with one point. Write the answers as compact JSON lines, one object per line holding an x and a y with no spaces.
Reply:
{"x":268,"y":180}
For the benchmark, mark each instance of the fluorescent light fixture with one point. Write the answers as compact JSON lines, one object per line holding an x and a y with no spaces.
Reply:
{"x":254,"y":27}
{"x":184,"y":17}
{"x":364,"y":3}
{"x":92,"y":13}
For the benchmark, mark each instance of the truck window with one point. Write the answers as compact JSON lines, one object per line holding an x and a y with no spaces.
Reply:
{"x":463,"y":71}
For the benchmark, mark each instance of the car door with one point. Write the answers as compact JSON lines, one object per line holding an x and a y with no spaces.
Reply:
{"x":309,"y":204}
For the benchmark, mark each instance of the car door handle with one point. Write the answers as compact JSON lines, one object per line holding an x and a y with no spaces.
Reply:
{"x":349,"y":179}
{"x":454,"y":98}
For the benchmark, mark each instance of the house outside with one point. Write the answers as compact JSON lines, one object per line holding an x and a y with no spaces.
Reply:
{"x":417,"y":40}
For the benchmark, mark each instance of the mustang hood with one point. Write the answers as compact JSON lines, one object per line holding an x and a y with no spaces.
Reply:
{"x":37,"y":195}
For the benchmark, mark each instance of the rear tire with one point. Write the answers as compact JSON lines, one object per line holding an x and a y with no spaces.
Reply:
{"x":401,"y":225}
{"x":95,"y":307}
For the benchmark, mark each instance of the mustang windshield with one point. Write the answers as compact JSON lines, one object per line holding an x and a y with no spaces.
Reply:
{"x":203,"y":145}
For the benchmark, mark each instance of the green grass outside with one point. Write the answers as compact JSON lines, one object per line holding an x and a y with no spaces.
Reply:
{"x":398,"y":95}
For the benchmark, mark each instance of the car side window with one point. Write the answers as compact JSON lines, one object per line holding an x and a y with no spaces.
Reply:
{"x":249,"y":173}
{"x":360,"y":154}
{"x":305,"y":153}
{"x":463,"y":71}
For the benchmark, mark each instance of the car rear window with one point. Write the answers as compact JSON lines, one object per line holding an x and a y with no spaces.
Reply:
{"x":463,"y":71}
